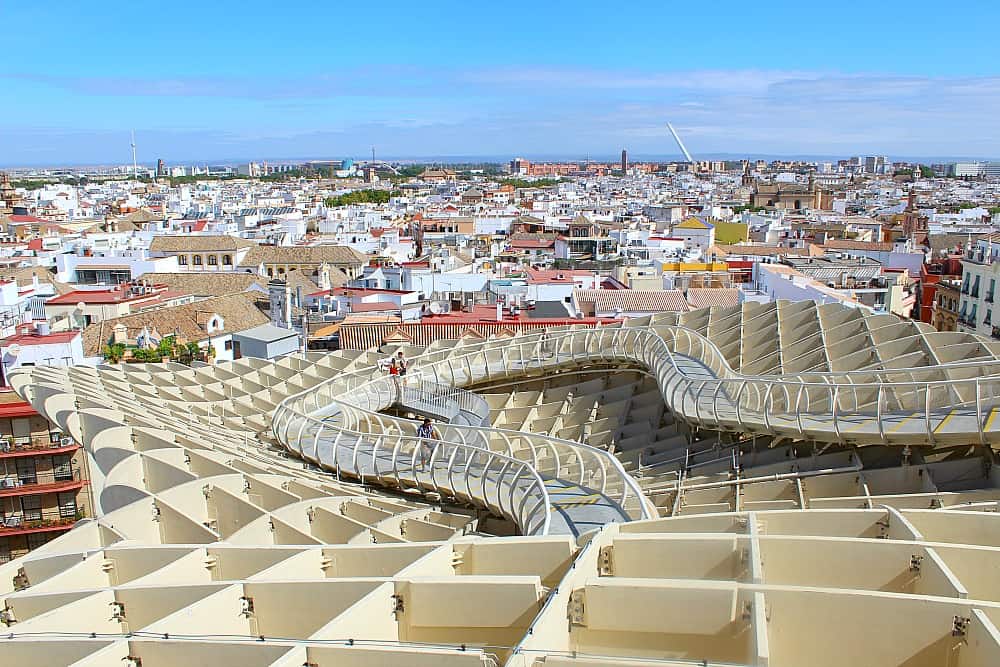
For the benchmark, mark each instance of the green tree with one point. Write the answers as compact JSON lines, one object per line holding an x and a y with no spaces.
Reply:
{"x":114,"y":352}
{"x":360,"y":197}
{"x":521,"y":183}
{"x":147,"y":356}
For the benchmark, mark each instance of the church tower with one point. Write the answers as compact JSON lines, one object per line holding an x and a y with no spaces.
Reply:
{"x":8,"y":196}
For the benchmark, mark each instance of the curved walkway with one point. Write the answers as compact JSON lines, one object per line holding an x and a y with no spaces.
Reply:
{"x":529,"y":477}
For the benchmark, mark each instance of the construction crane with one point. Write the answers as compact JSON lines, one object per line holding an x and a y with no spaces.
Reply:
{"x":680,"y":144}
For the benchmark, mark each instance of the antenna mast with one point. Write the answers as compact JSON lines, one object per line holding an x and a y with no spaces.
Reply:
{"x":135,"y":165}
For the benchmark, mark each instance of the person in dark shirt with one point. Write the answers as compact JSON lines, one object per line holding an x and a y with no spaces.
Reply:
{"x":428,"y":438}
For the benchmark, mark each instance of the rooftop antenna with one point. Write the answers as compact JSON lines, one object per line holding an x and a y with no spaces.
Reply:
{"x":135,"y":165}
{"x":680,"y":144}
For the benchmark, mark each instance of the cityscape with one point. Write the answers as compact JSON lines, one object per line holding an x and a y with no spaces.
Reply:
{"x":509,"y":336}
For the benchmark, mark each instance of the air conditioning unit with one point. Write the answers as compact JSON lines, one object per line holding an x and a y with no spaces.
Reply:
{"x":65,"y":442}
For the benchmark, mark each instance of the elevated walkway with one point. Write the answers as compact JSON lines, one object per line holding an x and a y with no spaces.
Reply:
{"x":517,"y":473}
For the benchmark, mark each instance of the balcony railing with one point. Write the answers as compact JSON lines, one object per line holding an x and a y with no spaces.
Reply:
{"x":989,"y":297}
{"x":977,"y":256}
{"x":21,"y":482}
{"x":53,"y":519}
{"x":35,"y":443}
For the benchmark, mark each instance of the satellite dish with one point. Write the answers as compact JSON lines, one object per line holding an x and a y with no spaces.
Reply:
{"x":14,"y":350}
{"x":80,"y":306}
{"x":435,"y":308}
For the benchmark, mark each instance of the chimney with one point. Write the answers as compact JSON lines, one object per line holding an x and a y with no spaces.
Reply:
{"x":499,"y":312}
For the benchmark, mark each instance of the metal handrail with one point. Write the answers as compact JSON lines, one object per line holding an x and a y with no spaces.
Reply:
{"x":760,"y":401}
{"x":508,"y":476}
{"x":350,"y":396}
{"x":767,"y":389}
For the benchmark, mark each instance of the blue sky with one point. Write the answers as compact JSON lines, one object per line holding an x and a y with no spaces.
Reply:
{"x":227,"y":80}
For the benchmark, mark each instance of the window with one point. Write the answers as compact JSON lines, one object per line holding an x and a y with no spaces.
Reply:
{"x":229,"y":345}
{"x":31,"y":507}
{"x":213,"y":260}
{"x":62,"y":468}
{"x":182,"y":260}
{"x":67,"y":504}
{"x":227,"y":260}
{"x":197,"y":260}
{"x":36,"y":540}
{"x":26,"y":473}
{"x":21,"y":429}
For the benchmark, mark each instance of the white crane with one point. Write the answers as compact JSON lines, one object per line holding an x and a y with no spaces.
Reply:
{"x":680,"y":144}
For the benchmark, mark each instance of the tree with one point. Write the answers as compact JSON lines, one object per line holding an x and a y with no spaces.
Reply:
{"x":360,"y":197}
{"x":521,"y":183}
{"x":147,"y":356}
{"x":114,"y":352}
{"x":411,"y":170}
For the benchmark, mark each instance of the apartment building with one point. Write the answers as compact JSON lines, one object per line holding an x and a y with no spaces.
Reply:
{"x":44,"y":481}
{"x":944,"y":312}
{"x":202,"y":253}
{"x":980,"y":274}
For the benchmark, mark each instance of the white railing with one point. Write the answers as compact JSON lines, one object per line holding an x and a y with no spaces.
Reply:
{"x":697,"y":383}
{"x":506,"y":485}
{"x":822,"y":405}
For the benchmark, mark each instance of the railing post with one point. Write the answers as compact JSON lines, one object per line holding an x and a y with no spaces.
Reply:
{"x":878,"y":412}
{"x":979,"y":412}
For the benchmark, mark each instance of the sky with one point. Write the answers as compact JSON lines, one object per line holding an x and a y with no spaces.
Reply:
{"x":221,"y":80}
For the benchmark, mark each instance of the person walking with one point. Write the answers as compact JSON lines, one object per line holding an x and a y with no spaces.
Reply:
{"x":393,"y":367}
{"x":428,"y":438}
{"x":401,"y":361}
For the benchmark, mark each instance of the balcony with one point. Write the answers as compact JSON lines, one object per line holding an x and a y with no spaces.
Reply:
{"x":22,"y":523}
{"x":36,"y":445}
{"x":977,"y":256}
{"x":21,"y":483}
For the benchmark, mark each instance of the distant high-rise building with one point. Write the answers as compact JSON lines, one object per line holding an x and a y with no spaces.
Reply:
{"x":161,"y":168}
{"x":877,"y":164}
{"x":966,"y":169}
{"x":624,"y":160}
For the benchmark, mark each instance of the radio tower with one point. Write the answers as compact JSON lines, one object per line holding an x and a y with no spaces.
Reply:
{"x":135,"y":165}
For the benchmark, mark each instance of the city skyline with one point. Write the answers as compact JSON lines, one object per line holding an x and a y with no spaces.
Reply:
{"x":463,"y":80}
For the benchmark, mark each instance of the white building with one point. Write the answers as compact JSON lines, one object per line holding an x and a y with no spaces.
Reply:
{"x":980,"y":274}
